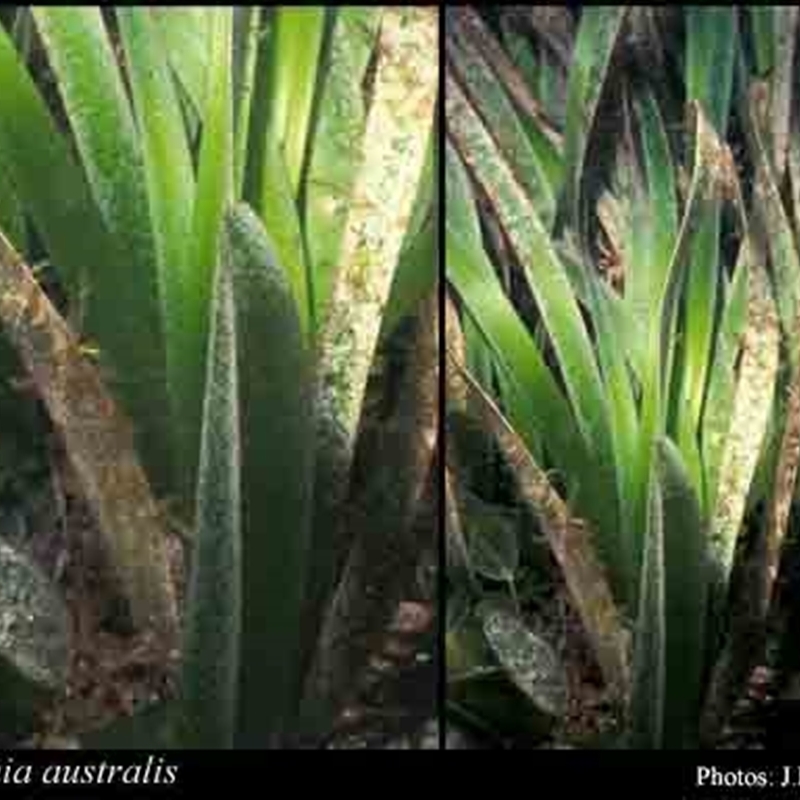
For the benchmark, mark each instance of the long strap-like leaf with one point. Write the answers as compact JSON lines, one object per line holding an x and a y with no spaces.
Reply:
{"x":213,"y":194}
{"x":710,"y":44}
{"x":89,"y":81}
{"x":660,"y":346}
{"x":275,"y":411}
{"x":648,"y":700}
{"x":500,"y":116}
{"x":167,"y":163}
{"x":670,"y":645}
{"x":240,"y":675}
{"x":397,"y":132}
{"x":336,"y":145}
{"x":598,"y":32}
{"x":753,"y":400}
{"x":207,"y":706}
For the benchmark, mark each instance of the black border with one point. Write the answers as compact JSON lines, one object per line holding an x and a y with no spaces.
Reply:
{"x":727,"y":774}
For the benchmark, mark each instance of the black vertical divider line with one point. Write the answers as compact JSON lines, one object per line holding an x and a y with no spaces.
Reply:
{"x":441,"y":694}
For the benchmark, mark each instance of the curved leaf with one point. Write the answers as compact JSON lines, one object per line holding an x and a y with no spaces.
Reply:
{"x":43,"y":172}
{"x":167,"y":166}
{"x":275,"y":405}
{"x":131,"y":335}
{"x":336,"y":145}
{"x":597,"y":36}
{"x":214,"y":192}
{"x":207,"y":709}
{"x":278,"y":212}
{"x":185,"y":35}
{"x":648,"y":692}
{"x":686,"y":575}
{"x":749,"y":419}
{"x":490,"y":101}
{"x":711,"y":47}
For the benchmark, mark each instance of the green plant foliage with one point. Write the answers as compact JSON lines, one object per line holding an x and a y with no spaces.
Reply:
{"x":253,"y":512}
{"x":101,"y":120}
{"x":336,"y":143}
{"x":127,"y":156}
{"x":275,"y":406}
{"x":634,"y":344}
{"x":210,"y":657}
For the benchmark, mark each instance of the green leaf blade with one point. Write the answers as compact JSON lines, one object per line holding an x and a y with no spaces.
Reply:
{"x":275,"y":406}
{"x":336,"y":146}
{"x":596,"y":39}
{"x":490,"y":101}
{"x":167,"y":165}
{"x":90,"y":84}
{"x":648,"y":697}
{"x":686,"y":599}
{"x":207,"y":710}
{"x":214,"y":191}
